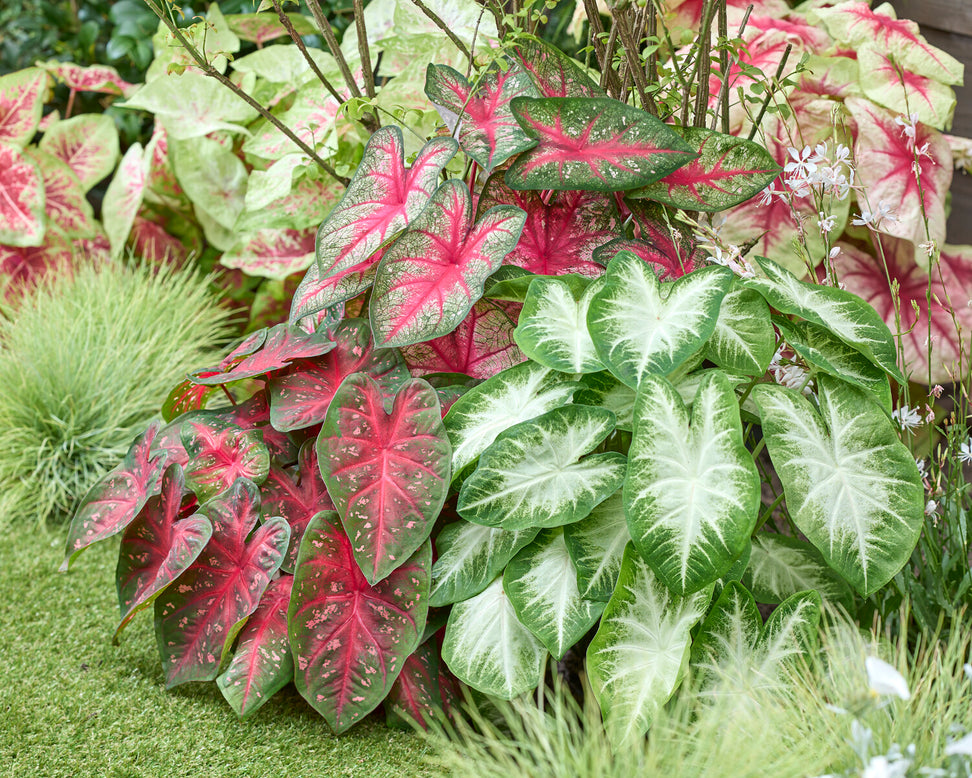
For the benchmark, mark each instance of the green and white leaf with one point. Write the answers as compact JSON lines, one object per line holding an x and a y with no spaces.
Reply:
{"x":692,"y":490}
{"x":603,"y":390}
{"x":486,"y":646}
{"x":640,"y":652}
{"x":541,"y":582}
{"x":729,"y":633}
{"x":536,"y":474}
{"x":596,"y":545}
{"x":743,"y":341}
{"x":851,"y":486}
{"x":790,"y":630}
{"x":641,"y":326}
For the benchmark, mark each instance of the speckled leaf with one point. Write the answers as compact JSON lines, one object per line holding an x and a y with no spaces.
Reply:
{"x":310,"y":116}
{"x":88,"y":144}
{"x":254,"y":414}
{"x":220,"y":453}
{"x":350,"y":640}
{"x":553,"y":72}
{"x":596,"y":545}
{"x":743,"y":341}
{"x":387,"y":473}
{"x":22,"y":216}
{"x":21,"y":102}
{"x":418,"y":696}
{"x":185,"y":397}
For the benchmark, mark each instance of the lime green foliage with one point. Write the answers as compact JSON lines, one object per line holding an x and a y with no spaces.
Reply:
{"x":85,"y":362}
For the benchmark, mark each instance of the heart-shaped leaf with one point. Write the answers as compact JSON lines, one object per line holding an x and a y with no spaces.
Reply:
{"x":197,"y":620}
{"x":254,"y":414}
{"x":21,"y":103}
{"x":743,"y":340}
{"x":88,"y":144}
{"x":905,"y":92}
{"x":272,"y":253}
{"x":553,"y":72}
{"x":730,"y":632}
{"x":22,"y":216}
{"x":430,"y":277}
{"x":65,"y":205}
{"x":596,"y":545}
{"x":593,"y":143}
{"x":388,"y":474}
{"x":851,"y":486}
{"x":641,"y":326}
{"x":350,"y":639}
{"x":418,"y":696}
{"x":220,"y":453}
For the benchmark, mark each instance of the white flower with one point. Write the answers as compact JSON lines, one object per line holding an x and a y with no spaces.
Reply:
{"x":803,"y":164}
{"x":826,"y":223}
{"x":732,"y":259}
{"x":882,"y":767}
{"x":962,"y":746}
{"x":965,"y":452}
{"x":922,"y":467}
{"x":928,"y":248}
{"x":930,"y":507}
{"x":768,"y":194}
{"x":908,"y":418}
{"x":882,"y":214}
{"x":968,"y":671}
{"x":884,"y":680}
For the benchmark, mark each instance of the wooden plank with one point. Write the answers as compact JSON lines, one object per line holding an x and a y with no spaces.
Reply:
{"x":948,"y":15}
{"x":960,"y":47}
{"x":959,"y":229}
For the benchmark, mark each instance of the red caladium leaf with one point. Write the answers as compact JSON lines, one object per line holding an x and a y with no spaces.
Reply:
{"x":727,"y":171}
{"x":297,"y":496}
{"x":112,"y":503}
{"x":382,"y":199}
{"x":94,"y":78}
{"x":65,"y":205}
{"x":21,"y":103}
{"x":592,"y":143}
{"x":553,"y":72}
{"x":561,"y":231}
{"x":417,"y":695}
{"x":300,"y":396}
{"x":262,"y":664}
{"x":187,"y":396}
{"x":388,"y":474}
{"x":431,"y":276}
{"x":220,"y":453}
{"x":272,"y":253}
{"x":487,"y":130}
{"x":310,"y":299}
{"x":351,"y":639}
{"x":88,"y":144}
{"x":668,"y":266}
{"x":481,"y":346}
{"x":266,"y":351}
{"x":150,"y":241}
{"x":197,"y":620}
{"x":157,"y":547}
{"x":22,"y":218}
{"x":672,"y":246}
{"x":254,"y":414}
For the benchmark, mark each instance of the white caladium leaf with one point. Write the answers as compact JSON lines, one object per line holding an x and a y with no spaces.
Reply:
{"x":844,"y":314}
{"x":212,"y":176}
{"x":536,"y":474}
{"x":852,"y":487}
{"x":637,"y":658}
{"x":789,"y":631}
{"x":596,"y":546}
{"x":520,"y":393}
{"x":729,"y":633}
{"x":21,"y":104}
{"x":743,"y":341}
{"x":641,"y":326}
{"x":87,"y":143}
{"x":541,"y":583}
{"x":470,"y":556}
{"x":603,"y":390}
{"x":692,"y":490}
{"x":124,"y":196}
{"x":486,"y":646}
{"x":552,"y":328}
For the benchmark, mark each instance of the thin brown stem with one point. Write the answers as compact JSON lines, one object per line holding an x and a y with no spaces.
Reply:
{"x":769,"y":95}
{"x":651,"y":69}
{"x":363,"y":50}
{"x":632,"y":49}
{"x":289,"y":27}
{"x":434,"y":17}
{"x":608,"y":76}
{"x":705,"y":63}
{"x":724,"y":65}
{"x":328,"y":34}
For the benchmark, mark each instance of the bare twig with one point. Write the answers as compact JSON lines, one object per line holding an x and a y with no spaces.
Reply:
{"x":769,"y":92}
{"x":632,"y":51}
{"x":289,"y":27}
{"x":651,"y":67}
{"x":597,"y":29}
{"x":444,"y":27}
{"x":705,"y":63}
{"x":363,"y":51}
{"x":325,"y":28}
{"x":724,"y":88}
{"x":607,"y":69}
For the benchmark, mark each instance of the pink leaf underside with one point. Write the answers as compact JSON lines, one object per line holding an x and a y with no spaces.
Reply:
{"x":481,"y":346}
{"x":220,"y":453}
{"x":487,"y":130}
{"x":669,"y":266}
{"x":263,"y":663}
{"x":21,"y":199}
{"x":94,"y":78}
{"x":382,"y":199}
{"x":430,"y":278}
{"x":388,"y":474}
{"x":261,"y":28}
{"x":273,"y":253}
{"x":21,"y":267}
{"x":864,"y":275}
{"x":553,"y":73}
{"x":112,"y":503}
{"x":351,"y":639}
{"x":157,"y":546}
{"x":416,"y":694}
{"x":21,"y":102}
{"x":298,"y":494}
{"x":64,"y":202}
{"x":299,"y":397}
{"x":151,"y":242}
{"x":198,"y":617}
{"x":559,"y":235}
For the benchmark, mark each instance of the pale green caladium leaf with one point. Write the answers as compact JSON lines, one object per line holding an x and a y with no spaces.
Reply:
{"x":21,"y":104}
{"x":637,"y":658}
{"x":536,"y":474}
{"x":124,"y":196}
{"x":552,"y":327}
{"x":780,"y":566}
{"x":212,"y":176}
{"x":594,"y":144}
{"x":603,"y":390}
{"x":844,"y":314}
{"x":541,"y":583}
{"x":88,"y":144}
{"x":692,"y":490}
{"x":852,"y":487}
{"x":486,"y":646}
{"x":517,"y":394}
{"x":22,"y":215}
{"x":596,"y":546}
{"x":470,"y":556}
{"x":743,"y":341}
{"x":641,"y":326}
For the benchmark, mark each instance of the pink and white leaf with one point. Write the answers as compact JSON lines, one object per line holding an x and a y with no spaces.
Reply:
{"x":887,"y":83}
{"x":66,"y":207}
{"x":22,"y":97}
{"x":553,"y":72}
{"x":124,"y":196}
{"x":418,"y":696}
{"x":88,"y":144}
{"x":93,"y":78}
{"x":272,"y":253}
{"x":22,"y":215}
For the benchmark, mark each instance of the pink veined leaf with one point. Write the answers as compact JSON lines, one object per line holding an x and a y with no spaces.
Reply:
{"x":185,"y":397}
{"x":676,"y":254}
{"x":561,"y":233}
{"x":951,"y":303}
{"x":220,"y":453}
{"x":314,"y":291}
{"x":299,"y":397}
{"x":481,"y":346}
{"x":682,"y":15}
{"x":88,"y":144}
{"x":297,"y":495}
{"x":351,"y":639}
{"x":668,"y":266}
{"x":65,"y":205}
{"x":430,"y":278}
{"x":21,"y":267}
{"x":162,"y":186}
{"x":262,"y":28}
{"x":112,"y":503}
{"x":157,"y":547}
{"x":22,"y":217}
{"x":197,"y":620}
{"x":167,"y":447}
{"x":93,"y":78}
{"x":272,"y":253}
{"x":124,"y":197}
{"x":887,"y":83}
{"x":387,"y":473}
{"x":727,"y":172}
{"x":151,"y":242}
{"x":254,"y":414}
{"x":797,"y":30}
{"x":417,"y":696}
{"x":21,"y":103}
{"x":487,"y":130}
{"x":553,"y":72}
{"x":263,"y":663}
{"x":381,"y":200}
{"x":592,"y":143}
{"x":310,"y":117}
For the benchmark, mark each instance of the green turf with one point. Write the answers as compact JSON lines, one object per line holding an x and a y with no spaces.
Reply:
{"x":71,"y":704}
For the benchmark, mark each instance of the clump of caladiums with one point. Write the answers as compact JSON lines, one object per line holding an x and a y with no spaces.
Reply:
{"x":580,"y":452}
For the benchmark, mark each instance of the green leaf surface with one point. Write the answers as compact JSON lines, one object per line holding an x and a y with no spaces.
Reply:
{"x":603,"y":390}
{"x":743,"y":341}
{"x":596,"y":545}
